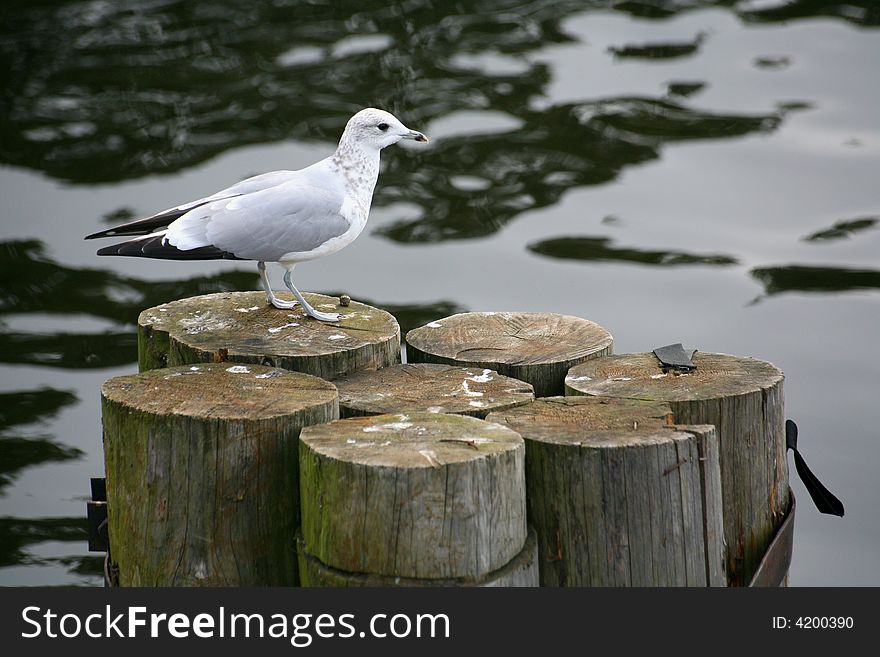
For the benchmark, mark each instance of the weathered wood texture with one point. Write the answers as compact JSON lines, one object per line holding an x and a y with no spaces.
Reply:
{"x":430,"y":387}
{"x":241,"y":327}
{"x":538,"y":348}
{"x":201,"y":466}
{"x":522,"y":570}
{"x":618,"y":495}
{"x":421,"y":495}
{"x":743,"y":399}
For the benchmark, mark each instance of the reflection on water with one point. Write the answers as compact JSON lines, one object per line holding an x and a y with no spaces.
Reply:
{"x":555,"y":150}
{"x":658,"y":50}
{"x":30,"y":282}
{"x":114,"y":92}
{"x":24,"y":408}
{"x":18,"y":536}
{"x":842,"y":229}
{"x":597,"y":249}
{"x":801,"y":278}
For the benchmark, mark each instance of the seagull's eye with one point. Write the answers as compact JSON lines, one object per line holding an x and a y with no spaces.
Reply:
{"x":382,"y":126}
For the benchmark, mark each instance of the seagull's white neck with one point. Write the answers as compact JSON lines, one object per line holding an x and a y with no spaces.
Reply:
{"x":359,"y":166}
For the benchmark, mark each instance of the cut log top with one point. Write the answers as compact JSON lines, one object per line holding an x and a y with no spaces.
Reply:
{"x":590,"y":421}
{"x":242,"y":327}
{"x":640,"y":376}
{"x":510,"y":338}
{"x":427,"y":387}
{"x":410,"y":440}
{"x":220,"y":391}
{"x":538,"y":348}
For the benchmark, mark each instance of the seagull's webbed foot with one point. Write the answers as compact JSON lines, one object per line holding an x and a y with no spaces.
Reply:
{"x":324,"y":317}
{"x":311,"y":312}
{"x":279,"y":303}
{"x":270,"y":296}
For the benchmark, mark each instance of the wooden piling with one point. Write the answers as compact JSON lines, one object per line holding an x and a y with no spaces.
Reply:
{"x":538,"y":348}
{"x":743,"y":399}
{"x":423,"y":496}
{"x":618,"y":495}
{"x":430,"y":387}
{"x":241,"y":327}
{"x":201,"y":465}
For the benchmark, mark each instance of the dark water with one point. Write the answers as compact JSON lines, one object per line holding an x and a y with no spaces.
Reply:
{"x":677,"y":170}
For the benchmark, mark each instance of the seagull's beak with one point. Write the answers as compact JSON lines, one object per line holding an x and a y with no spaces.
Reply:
{"x":417,"y":136}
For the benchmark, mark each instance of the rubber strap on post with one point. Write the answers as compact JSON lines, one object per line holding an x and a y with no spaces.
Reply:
{"x":823,"y":498}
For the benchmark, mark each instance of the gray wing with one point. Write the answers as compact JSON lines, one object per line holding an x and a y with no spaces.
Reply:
{"x":162,"y":219}
{"x":265,"y":225}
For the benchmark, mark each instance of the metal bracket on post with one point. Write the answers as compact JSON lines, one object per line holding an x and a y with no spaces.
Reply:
{"x":96,"y":511}
{"x":773,"y":569}
{"x":99,"y":535}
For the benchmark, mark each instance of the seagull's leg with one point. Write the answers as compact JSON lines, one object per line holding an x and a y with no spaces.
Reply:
{"x":311,"y":312}
{"x":270,"y":296}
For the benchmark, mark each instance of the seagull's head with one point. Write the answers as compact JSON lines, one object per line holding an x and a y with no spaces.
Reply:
{"x":375,"y":128}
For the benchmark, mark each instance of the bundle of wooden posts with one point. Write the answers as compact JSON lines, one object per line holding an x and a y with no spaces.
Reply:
{"x":227,"y":463}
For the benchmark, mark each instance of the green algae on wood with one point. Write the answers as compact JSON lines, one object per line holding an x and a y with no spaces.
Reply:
{"x":430,"y":387}
{"x":522,"y":570}
{"x":743,"y":398}
{"x":201,"y":466}
{"x":241,"y":327}
{"x":419,"y":495}
{"x":618,"y":495}
{"x":538,"y":348}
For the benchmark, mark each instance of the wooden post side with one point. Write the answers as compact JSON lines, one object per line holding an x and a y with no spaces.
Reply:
{"x":201,"y":467}
{"x":421,"y":495}
{"x":743,"y":399}
{"x":617,"y":494}
{"x":522,"y":570}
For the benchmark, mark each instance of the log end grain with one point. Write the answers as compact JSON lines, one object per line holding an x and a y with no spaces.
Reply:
{"x":639,"y":376}
{"x":429,"y":387}
{"x":535,"y":347}
{"x":586,"y":420}
{"x":221,"y":391}
{"x":242,"y":327}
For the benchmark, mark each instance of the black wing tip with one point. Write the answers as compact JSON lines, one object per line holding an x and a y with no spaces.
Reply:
{"x":157,"y":248}
{"x":100,"y":234}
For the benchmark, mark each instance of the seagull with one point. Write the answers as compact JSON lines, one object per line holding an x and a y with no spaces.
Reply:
{"x":282,"y":216}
